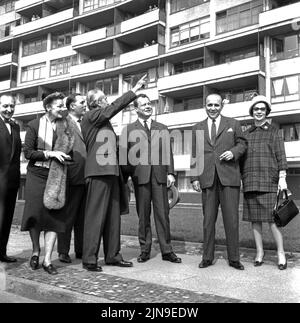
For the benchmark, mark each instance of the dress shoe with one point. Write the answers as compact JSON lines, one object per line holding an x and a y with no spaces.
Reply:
{"x":34,"y":262}
{"x":5,"y":258}
{"x":282,"y":267}
{"x":205,"y":263}
{"x":65,"y":258}
{"x":92,"y":267}
{"x":121,"y":263}
{"x":143,"y":257}
{"x":171,"y":257}
{"x":78,"y":255}
{"x":236,"y":264}
{"x":51,"y":270}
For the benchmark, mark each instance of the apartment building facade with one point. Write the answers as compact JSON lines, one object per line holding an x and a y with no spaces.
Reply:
{"x":188,"y":48}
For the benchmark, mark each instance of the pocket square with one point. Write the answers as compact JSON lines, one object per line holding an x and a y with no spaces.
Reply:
{"x":230,"y":130}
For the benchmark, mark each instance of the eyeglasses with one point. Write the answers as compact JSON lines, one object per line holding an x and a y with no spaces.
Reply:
{"x":260,"y":109}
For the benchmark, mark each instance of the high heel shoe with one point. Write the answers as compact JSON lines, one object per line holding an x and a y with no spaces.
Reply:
{"x":258,"y":263}
{"x":51,"y":270}
{"x":282,"y":267}
{"x":34,"y":262}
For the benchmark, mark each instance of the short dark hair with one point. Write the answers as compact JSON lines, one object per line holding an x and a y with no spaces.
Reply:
{"x":71,"y":99}
{"x":52,"y":97}
{"x":136,"y":103}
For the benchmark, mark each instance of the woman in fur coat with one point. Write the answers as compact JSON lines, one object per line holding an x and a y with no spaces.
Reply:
{"x":48,"y":143}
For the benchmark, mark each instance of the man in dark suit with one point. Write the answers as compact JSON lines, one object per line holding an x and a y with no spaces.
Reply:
{"x":224,"y":144}
{"x":151,"y":178}
{"x":76,"y":105}
{"x":10,"y":144}
{"x":102,"y":172}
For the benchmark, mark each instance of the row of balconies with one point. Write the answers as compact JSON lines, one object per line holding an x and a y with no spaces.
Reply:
{"x":268,"y":18}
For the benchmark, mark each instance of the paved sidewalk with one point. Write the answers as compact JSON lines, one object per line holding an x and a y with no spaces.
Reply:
{"x":155,"y":281}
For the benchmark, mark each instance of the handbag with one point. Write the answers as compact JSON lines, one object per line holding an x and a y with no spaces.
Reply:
{"x":285,"y":212}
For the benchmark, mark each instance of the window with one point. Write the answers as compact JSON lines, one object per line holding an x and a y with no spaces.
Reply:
{"x":5,"y":30}
{"x":7,"y":6}
{"x":178,"y":5}
{"x":62,"y":66}
{"x":240,"y":95}
{"x":33,"y":72}
{"x":189,"y":66}
{"x":130,"y":80}
{"x":286,"y":89}
{"x":284,"y":47}
{"x":95,"y":4}
{"x":188,"y":104}
{"x":61,"y":40}
{"x":35,"y":47}
{"x":236,"y":55}
{"x":109,"y":86}
{"x":291,"y":132}
{"x":193,"y":31}
{"x":239,"y":17}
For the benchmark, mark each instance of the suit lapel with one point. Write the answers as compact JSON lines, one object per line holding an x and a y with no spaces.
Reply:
{"x":139,"y":126}
{"x":206,"y":131}
{"x":222,"y":127}
{"x":14,"y":140}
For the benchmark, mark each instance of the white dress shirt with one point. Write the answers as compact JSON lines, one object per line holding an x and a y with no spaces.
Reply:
{"x":149,"y":122}
{"x":210,"y":122}
{"x":76,"y":120}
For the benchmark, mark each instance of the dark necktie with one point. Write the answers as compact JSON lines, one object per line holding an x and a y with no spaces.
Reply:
{"x":147,"y":129}
{"x":213,"y":132}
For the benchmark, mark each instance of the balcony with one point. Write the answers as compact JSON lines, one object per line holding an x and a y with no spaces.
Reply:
{"x":88,"y":68}
{"x":8,"y":59}
{"x":44,"y":23}
{"x":292,"y":150}
{"x":22,"y":5}
{"x":31,"y":108}
{"x":89,"y":38}
{"x":141,"y":54}
{"x":279,"y":15}
{"x":140,"y":21}
{"x":213,"y":74}
{"x":6,"y":85}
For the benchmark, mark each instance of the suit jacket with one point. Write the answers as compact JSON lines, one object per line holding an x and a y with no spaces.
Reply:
{"x":31,"y":151}
{"x":229,"y":138}
{"x":10,"y":155}
{"x":76,"y":168}
{"x":96,"y":127}
{"x":160,"y":149}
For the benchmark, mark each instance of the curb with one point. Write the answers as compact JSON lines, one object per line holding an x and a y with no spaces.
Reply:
{"x":46,"y":293}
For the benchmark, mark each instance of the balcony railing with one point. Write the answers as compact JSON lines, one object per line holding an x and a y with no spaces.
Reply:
{"x":87,"y":68}
{"x":140,"y":21}
{"x":89,"y":37}
{"x":24,"y":4}
{"x":29,"y":109}
{"x":8,"y":59}
{"x":6,"y":85}
{"x":141,"y":54}
{"x":285,"y":13}
{"x":44,"y":22}
{"x":217,"y":72}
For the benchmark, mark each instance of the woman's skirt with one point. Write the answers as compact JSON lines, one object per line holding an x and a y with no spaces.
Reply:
{"x":259,"y":206}
{"x":35,"y":214}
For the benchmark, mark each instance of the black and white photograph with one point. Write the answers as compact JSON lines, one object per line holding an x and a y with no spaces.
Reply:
{"x":149,"y":155}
